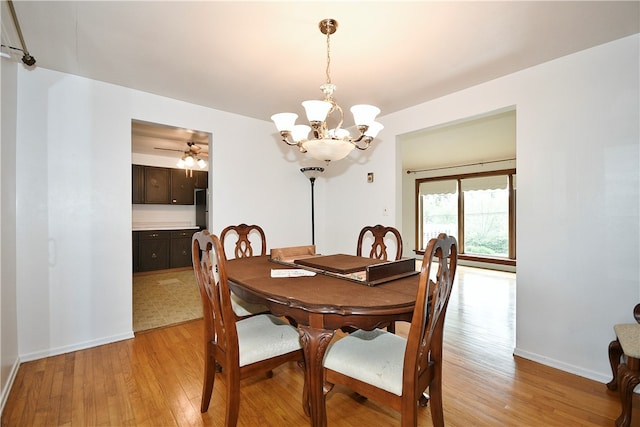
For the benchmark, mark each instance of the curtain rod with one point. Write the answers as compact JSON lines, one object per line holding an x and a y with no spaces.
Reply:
{"x":26,"y":57}
{"x":458,"y":166}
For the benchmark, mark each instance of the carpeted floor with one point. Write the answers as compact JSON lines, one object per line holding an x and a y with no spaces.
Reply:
{"x":165,"y":299}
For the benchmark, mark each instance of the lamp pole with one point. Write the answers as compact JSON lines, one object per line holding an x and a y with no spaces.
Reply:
{"x":312,"y":173}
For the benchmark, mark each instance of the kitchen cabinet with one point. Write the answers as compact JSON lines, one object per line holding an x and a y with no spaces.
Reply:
{"x":182,"y":187}
{"x":158,"y":185}
{"x":201,"y":179}
{"x":137,"y":184}
{"x":136,"y":249}
{"x":161,"y":249}
{"x":153,"y":250}
{"x":181,"y":248}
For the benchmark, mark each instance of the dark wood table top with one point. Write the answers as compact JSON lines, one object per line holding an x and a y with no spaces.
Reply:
{"x":320,"y":305}
{"x":320,"y":294}
{"x":339,"y":263}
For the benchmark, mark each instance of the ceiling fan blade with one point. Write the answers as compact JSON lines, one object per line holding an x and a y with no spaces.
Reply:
{"x":168,"y":149}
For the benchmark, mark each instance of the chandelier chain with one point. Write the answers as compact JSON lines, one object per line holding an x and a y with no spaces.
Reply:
{"x":328,"y":72}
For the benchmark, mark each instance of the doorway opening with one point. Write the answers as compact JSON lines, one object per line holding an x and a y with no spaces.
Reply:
{"x":170,"y":194}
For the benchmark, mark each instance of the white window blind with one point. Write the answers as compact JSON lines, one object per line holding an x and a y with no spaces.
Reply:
{"x":438,"y":187}
{"x":485,"y":183}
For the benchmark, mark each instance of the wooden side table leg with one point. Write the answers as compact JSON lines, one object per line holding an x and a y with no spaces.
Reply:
{"x":615,"y":353}
{"x":628,"y":380}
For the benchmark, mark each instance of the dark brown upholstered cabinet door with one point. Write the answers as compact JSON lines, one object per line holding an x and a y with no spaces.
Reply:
{"x":157,"y":185}
{"x":182,"y":187}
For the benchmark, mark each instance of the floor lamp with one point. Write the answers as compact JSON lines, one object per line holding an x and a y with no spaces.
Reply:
{"x":312,"y":173}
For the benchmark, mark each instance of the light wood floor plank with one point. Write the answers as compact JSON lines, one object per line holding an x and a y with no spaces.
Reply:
{"x":155,"y":379}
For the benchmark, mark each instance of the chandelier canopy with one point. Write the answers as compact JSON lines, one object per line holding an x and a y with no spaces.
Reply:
{"x":325,"y":142}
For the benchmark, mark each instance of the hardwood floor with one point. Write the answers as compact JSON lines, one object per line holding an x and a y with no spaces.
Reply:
{"x":155,"y":379}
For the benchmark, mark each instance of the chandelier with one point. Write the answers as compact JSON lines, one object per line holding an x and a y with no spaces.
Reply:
{"x":326,"y":143}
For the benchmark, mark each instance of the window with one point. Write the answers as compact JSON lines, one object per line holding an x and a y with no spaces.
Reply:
{"x":438,"y":201}
{"x":486,"y":216}
{"x":478,"y":209}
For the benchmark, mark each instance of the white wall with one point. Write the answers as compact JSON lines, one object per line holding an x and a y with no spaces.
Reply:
{"x":74,"y":200}
{"x":578,"y":162}
{"x":578,"y":196}
{"x":8,"y":317}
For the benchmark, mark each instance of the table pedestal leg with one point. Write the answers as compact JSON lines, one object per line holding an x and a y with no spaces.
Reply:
{"x":314,"y":344}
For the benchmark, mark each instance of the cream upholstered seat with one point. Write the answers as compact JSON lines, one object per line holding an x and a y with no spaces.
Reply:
{"x":244,"y":308}
{"x":242,"y":248}
{"x":382,"y":369}
{"x":241,"y":347}
{"x":263,"y":337}
{"x":395,"y":371}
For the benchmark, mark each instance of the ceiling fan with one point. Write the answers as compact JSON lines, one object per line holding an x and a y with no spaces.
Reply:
{"x":191,"y":155}
{"x":192,"y":148}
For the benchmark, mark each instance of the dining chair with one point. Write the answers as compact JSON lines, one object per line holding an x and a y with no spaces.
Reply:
{"x":393,"y":370}
{"x":380,"y":234}
{"x":245,"y":235}
{"x":241,"y":347}
{"x":240,"y":248}
{"x":624,"y":358}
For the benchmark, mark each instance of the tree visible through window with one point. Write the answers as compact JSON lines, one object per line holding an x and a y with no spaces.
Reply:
{"x":439,"y":202}
{"x":477,"y":210}
{"x":486,"y":222}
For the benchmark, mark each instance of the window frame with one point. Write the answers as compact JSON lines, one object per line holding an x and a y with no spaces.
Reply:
{"x":510,"y":173}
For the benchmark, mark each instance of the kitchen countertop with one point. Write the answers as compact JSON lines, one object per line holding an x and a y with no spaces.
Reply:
{"x":158,"y":226}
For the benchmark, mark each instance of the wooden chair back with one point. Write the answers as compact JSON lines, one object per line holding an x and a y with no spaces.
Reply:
{"x":211,"y":277}
{"x":267,"y":341}
{"x":367,"y":361}
{"x":245,"y":234}
{"x":423,"y":355}
{"x":379,"y":246}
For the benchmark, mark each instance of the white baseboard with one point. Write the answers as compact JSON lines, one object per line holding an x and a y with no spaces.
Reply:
{"x":547,"y":361}
{"x":7,"y":387}
{"x":74,"y":347}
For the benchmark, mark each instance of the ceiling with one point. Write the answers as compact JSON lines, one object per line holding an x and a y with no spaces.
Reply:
{"x":167,"y":141}
{"x":259,"y":58}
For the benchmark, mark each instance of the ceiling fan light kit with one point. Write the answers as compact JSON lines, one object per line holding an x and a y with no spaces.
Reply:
{"x":191,"y":157}
{"x":326,"y":143}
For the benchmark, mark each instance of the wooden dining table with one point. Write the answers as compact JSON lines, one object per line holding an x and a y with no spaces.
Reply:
{"x":320,"y":305}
